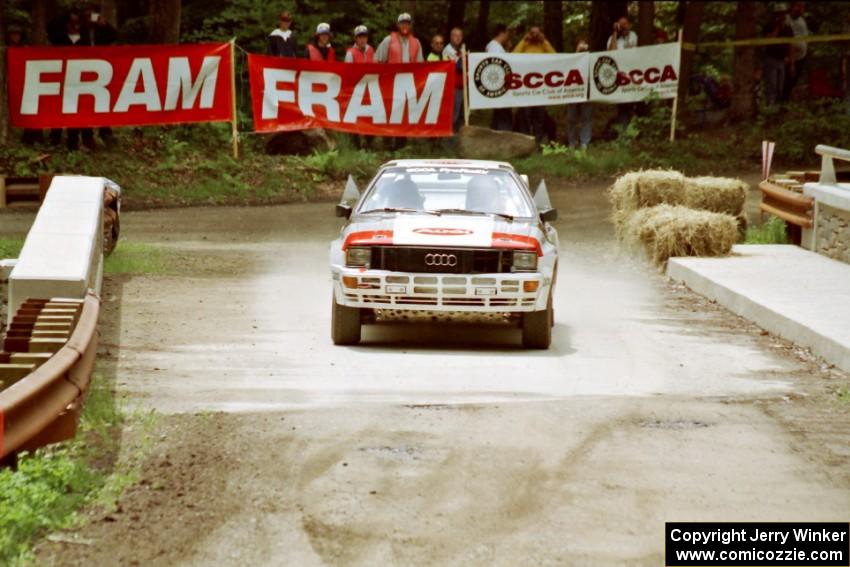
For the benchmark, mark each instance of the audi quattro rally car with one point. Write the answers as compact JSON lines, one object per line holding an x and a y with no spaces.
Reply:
{"x":445,"y":236}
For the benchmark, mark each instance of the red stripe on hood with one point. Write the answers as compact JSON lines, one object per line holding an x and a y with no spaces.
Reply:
{"x":368,"y":238}
{"x":516,"y":242}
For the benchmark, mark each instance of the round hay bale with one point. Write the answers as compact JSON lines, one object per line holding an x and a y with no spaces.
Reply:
{"x":647,"y":188}
{"x":665,"y":231}
{"x":717,"y":194}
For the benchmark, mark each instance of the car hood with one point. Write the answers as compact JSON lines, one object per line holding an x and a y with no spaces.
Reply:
{"x":411,"y":229}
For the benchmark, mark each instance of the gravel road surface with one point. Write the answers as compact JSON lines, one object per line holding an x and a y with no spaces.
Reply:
{"x":444,"y":444}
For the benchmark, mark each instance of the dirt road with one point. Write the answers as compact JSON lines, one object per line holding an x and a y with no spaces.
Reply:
{"x":444,"y":444}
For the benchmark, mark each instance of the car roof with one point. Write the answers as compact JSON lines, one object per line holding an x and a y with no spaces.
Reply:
{"x":476,"y":163}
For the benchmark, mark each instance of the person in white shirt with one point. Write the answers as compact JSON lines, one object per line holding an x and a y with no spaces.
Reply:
{"x":503,"y":118}
{"x":500,"y":38}
{"x":623,"y":37}
{"x":282,"y":39}
{"x":452,"y":52}
{"x":799,"y":49}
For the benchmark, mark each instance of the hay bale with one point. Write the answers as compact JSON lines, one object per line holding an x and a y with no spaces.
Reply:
{"x":648,"y":188}
{"x":665,"y":231}
{"x":716,"y":194}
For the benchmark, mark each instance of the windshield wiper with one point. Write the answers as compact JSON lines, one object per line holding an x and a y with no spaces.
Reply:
{"x":398,"y":210}
{"x":468,"y":212}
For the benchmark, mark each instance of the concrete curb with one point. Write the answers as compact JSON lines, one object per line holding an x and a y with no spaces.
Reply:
{"x":796,"y":294}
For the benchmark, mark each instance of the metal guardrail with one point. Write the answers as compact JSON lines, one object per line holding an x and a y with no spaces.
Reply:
{"x":15,"y":190}
{"x":44,"y":407}
{"x":790,"y":206}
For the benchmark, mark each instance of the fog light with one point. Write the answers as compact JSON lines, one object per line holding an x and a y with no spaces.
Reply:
{"x":358,"y":257}
{"x":524,"y":261}
{"x":349,"y":281}
{"x":529,"y":287}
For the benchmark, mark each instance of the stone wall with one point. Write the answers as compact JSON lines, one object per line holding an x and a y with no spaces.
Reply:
{"x":832,"y":233}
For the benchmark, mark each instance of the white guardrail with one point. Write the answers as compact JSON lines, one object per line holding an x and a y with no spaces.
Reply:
{"x":63,"y":252}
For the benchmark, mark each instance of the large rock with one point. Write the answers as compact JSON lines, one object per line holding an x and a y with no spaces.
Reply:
{"x":475,"y":142}
{"x":300,"y":142}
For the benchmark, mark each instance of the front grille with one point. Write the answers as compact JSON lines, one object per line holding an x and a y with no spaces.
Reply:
{"x":469,"y":260}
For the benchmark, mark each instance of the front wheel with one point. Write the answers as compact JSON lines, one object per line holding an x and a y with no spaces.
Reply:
{"x":345,"y":324}
{"x":537,"y":327}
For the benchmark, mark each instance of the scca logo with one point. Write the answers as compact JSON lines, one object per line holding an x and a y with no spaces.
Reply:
{"x":493,"y":77}
{"x":551,"y":79}
{"x":608,"y":78}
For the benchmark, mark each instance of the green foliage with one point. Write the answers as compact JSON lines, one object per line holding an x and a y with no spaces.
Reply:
{"x":10,"y":247}
{"x":772,"y":231}
{"x":51,"y":484}
{"x":798,"y":127}
{"x":136,"y":258}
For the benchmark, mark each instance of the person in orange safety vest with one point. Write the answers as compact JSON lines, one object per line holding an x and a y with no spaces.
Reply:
{"x":361,"y":51}
{"x":320,"y":49}
{"x":400,"y":46}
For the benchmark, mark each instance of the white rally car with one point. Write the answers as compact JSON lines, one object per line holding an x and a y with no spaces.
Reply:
{"x":445,"y":236}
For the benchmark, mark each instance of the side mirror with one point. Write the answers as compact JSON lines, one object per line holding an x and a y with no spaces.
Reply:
{"x":549,"y":215}
{"x":343,"y":210}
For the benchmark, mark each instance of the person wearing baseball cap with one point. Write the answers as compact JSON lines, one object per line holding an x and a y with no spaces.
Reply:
{"x":282,"y":41}
{"x":320,"y":49}
{"x":400,"y":46}
{"x":361,"y":51}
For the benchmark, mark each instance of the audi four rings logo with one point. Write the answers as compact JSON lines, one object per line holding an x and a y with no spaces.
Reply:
{"x":448,"y":260}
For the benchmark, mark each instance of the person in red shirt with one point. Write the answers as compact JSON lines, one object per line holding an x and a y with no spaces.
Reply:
{"x":361,"y":51}
{"x":320,"y":49}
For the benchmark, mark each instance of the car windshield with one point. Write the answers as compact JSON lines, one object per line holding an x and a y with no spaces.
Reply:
{"x":448,"y":189}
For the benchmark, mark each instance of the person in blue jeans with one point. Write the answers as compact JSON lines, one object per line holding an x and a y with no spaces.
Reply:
{"x":580,"y":115}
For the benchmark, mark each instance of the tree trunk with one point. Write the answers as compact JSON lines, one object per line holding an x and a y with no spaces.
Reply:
{"x":744,"y":64}
{"x":4,"y":121}
{"x":646,"y":23}
{"x":482,"y":34}
{"x":38,"y":15}
{"x":553,"y":23}
{"x":165,"y":21}
{"x":602,"y":18}
{"x":457,"y":13}
{"x":690,"y":34}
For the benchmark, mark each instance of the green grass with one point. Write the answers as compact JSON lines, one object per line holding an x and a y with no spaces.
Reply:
{"x":772,"y":231}
{"x":843,"y":394}
{"x":51,"y":485}
{"x":10,"y":246}
{"x":136,"y":258}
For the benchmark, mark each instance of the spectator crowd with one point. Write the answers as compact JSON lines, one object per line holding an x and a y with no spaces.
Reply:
{"x":784,"y":65}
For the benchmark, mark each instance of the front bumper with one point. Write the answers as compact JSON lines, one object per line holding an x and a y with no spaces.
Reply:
{"x":488,"y":293}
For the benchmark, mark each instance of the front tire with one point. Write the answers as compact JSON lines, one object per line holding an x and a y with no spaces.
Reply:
{"x":537,"y":327}
{"x":345,"y":324}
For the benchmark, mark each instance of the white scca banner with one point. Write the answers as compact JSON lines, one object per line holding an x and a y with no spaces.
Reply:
{"x":630,"y":75}
{"x":504,"y":80}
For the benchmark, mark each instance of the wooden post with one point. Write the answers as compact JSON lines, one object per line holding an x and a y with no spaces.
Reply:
{"x":676,"y":98}
{"x":465,"y":86}
{"x":234,"y":126}
{"x":2,"y":191}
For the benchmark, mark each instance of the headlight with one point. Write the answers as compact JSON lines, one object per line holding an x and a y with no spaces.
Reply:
{"x":525,"y":261}
{"x":358,"y":257}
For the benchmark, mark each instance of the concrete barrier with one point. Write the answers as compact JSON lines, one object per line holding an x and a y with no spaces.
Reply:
{"x":63,"y":252}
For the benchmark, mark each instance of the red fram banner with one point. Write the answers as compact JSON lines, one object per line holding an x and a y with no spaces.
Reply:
{"x":73,"y":87}
{"x":412,"y":99}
